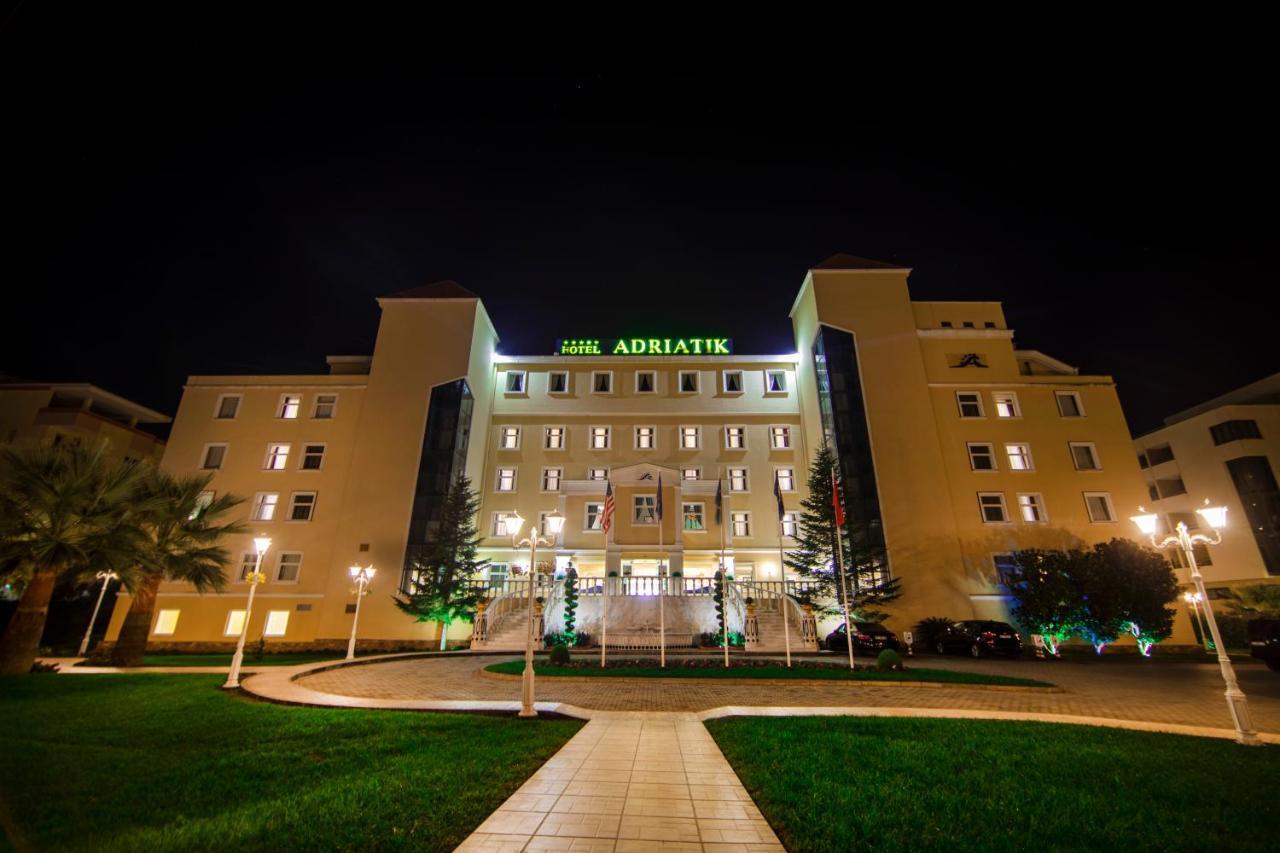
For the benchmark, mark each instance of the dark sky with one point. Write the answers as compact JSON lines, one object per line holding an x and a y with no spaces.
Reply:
{"x":1116,"y":190}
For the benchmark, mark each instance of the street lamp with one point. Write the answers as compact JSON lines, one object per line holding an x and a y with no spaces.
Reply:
{"x":1216,"y":518}
{"x":260,"y":546}
{"x":1193,"y":601}
{"x":361,"y":575}
{"x":512,"y":524}
{"x":106,"y":578}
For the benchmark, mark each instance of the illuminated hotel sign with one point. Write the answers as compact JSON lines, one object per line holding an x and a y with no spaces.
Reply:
{"x":644,"y":346}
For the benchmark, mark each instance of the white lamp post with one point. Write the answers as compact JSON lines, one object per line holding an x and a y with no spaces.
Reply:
{"x":106,"y":578}
{"x":1193,"y":601}
{"x":1216,"y":518}
{"x":260,"y":546}
{"x":361,"y":575}
{"x":513,"y":524}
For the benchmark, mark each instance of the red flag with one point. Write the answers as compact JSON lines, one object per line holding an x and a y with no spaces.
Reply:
{"x":606,"y":520}
{"x":835,"y":500}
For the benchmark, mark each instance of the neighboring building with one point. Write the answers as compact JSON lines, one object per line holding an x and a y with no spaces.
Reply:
{"x":1227,"y":451}
{"x":60,"y":411}
{"x":956,"y":447}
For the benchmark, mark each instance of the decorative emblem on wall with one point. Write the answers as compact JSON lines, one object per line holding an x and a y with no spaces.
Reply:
{"x":648,"y":475}
{"x":969,"y":359}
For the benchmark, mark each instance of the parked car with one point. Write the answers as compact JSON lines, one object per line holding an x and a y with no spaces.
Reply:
{"x":868,"y":638}
{"x":1264,"y":641}
{"x":979,"y":637}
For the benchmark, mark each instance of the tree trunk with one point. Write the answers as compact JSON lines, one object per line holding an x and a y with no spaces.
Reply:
{"x":444,"y":632}
{"x":21,"y":641}
{"x":131,"y":645}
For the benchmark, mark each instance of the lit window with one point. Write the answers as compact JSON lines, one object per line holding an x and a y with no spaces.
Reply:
{"x":290,"y":405}
{"x":780,"y":437}
{"x":992,"y":507}
{"x":1085,"y":456}
{"x":1019,"y":457}
{"x":1006,"y":404}
{"x":646,"y":382}
{"x":509,"y":438}
{"x":645,"y":509}
{"x":645,"y":437}
{"x":553,"y":438}
{"x":1099,"y":506}
{"x":970,"y":404}
{"x":166,"y":623}
{"x":214,"y":455}
{"x":594,"y":516}
{"x":235,"y":623}
{"x":982,"y":457}
{"x":325,"y":406}
{"x":735,"y":438}
{"x":277,"y":457}
{"x":598,"y":474}
{"x":264,"y":506}
{"x":228,"y":407}
{"x":790,"y":524}
{"x":1032,"y":508}
{"x":693,"y":517}
{"x":733,"y":381}
{"x":775,"y":381}
{"x":248,"y":565}
{"x":600,"y":438}
{"x":786,"y":479}
{"x":277,"y":623}
{"x":302,"y":506}
{"x":690,"y":437}
{"x":312,"y":457}
{"x":289,"y":565}
{"x":688,"y":382}
{"x":1069,"y":405}
{"x":515,"y":381}
{"x":506,"y":480}
{"x":690,"y":473}
{"x":602,"y":382}
{"x":551,"y":479}
{"x":741,"y":523}
{"x":737,"y":479}
{"x":558,"y":382}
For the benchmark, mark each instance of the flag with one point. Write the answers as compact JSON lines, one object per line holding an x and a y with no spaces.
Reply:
{"x":777,"y":493}
{"x":835,"y":500}
{"x":719,"y":498}
{"x":659,"y":497}
{"x":606,"y":518}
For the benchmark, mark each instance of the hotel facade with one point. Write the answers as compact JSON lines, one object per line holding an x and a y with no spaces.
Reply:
{"x":955,"y":446}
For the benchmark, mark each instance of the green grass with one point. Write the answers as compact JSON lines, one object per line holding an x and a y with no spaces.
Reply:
{"x":943,"y":676}
{"x":218,"y":659}
{"x":848,"y":783}
{"x":151,"y":762}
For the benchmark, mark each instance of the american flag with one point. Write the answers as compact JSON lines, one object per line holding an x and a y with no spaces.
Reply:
{"x":606,"y":519}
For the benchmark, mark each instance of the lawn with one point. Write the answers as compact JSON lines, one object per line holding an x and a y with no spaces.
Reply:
{"x":849,"y":783}
{"x":943,"y":676}
{"x":218,"y":659}
{"x":149,"y":762}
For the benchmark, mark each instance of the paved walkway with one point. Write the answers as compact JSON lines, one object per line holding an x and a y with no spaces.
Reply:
{"x":630,"y":783}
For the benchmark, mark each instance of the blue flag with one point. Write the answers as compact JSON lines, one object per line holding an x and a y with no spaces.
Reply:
{"x":719,"y":498}
{"x":659,"y":497}
{"x":777,"y":493}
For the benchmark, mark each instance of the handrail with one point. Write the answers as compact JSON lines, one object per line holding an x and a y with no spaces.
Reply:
{"x":772,"y":591}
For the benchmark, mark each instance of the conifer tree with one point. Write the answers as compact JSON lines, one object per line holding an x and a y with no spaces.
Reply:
{"x":570,"y":604}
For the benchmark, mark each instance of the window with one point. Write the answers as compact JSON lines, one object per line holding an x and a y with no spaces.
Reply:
{"x":1006,"y":567}
{"x":646,"y":437}
{"x":1170,"y":486}
{"x":290,"y":405}
{"x":235,"y":623}
{"x":645,"y":509}
{"x":1019,"y":457}
{"x":646,"y":382}
{"x":1099,"y":506}
{"x":509,"y":438}
{"x":558,"y":382}
{"x":790,"y":524}
{"x":325,"y":406}
{"x":946,"y":324}
{"x":202,"y":503}
{"x":988,"y":324}
{"x":735,"y":438}
{"x":1006,"y":404}
{"x":1255,"y":483}
{"x":312,"y":457}
{"x":1031,"y":507}
{"x":1069,"y":405}
{"x":214,"y":456}
{"x":543,"y":528}
{"x":516,"y":381}
{"x":688,"y":382}
{"x":982,"y":457}
{"x":602,"y":382}
{"x":740,"y":523}
{"x":1233,"y":431}
{"x":499,"y":528}
{"x":288,"y":566}
{"x":264,"y":506}
{"x":277,"y":457}
{"x":302,"y":506}
{"x":690,"y":473}
{"x":1157,"y":455}
{"x":594,"y":514}
{"x":228,"y":407}
{"x":505,"y":480}
{"x":970,"y":403}
{"x":1085,"y":456}
{"x":786,"y":479}
{"x":600,"y":438}
{"x":551,"y":479}
{"x":780,"y":437}
{"x":248,"y":564}
{"x":693,"y":517}
{"x":991,"y":505}
{"x":553,"y":438}
{"x":690,"y":437}
{"x":968,"y":324}
{"x":737,"y":479}
{"x":597,"y":474}
{"x":277,"y":623}
{"x":166,"y":623}
{"x":775,"y":382}
{"x":733,"y":381}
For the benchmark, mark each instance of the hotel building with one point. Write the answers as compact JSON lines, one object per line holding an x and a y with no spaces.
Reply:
{"x":955,"y":446}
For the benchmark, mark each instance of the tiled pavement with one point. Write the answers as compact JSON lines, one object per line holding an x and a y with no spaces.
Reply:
{"x":630,"y":783}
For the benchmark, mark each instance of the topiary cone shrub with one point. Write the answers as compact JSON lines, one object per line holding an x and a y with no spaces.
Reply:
{"x":560,"y":655}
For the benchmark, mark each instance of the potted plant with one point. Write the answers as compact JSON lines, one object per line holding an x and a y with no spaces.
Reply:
{"x":751,"y":605}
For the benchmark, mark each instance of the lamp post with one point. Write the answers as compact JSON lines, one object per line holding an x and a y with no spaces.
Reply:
{"x":106,"y":578}
{"x":512,"y":525}
{"x":1193,"y":601}
{"x":361,"y":575}
{"x":260,"y":546}
{"x":1216,"y":518}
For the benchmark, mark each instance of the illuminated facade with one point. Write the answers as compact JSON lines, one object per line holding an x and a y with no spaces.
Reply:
{"x":955,"y":447}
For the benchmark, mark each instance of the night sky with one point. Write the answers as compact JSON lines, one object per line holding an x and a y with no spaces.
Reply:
{"x":1119,"y":196}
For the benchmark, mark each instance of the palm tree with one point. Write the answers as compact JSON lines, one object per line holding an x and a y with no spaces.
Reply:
{"x":64,"y":510}
{"x":182,"y":529}
{"x":1255,"y":601}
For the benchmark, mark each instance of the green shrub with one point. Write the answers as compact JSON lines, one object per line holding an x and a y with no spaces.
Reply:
{"x":560,"y":655}
{"x":889,"y":661}
{"x":929,"y":629}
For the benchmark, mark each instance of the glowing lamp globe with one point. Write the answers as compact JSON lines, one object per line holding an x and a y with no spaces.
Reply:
{"x":555,"y":522}
{"x":1146,"y":522}
{"x":512,"y":524}
{"x":261,"y":544}
{"x":1214,"y":516}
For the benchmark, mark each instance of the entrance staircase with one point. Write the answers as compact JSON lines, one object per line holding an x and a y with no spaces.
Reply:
{"x":772,"y":636}
{"x":510,"y":632}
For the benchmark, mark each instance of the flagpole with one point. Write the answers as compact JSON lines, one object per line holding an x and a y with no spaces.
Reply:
{"x":844,"y":590}
{"x":724,"y":591}
{"x":604,"y":616}
{"x":782,"y":573}
{"x":662,"y":587}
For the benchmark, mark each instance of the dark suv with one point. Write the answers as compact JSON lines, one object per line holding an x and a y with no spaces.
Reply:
{"x":868,"y":638}
{"x":1264,"y":641}
{"x":980,"y":637}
